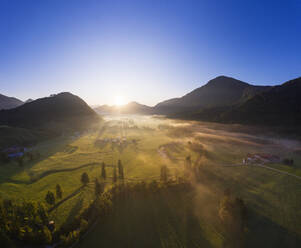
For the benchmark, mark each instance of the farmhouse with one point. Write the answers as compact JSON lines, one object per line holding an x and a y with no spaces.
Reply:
{"x":14,"y":152}
{"x":261,"y":158}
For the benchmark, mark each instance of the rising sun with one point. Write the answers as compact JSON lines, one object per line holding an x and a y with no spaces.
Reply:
{"x":119,"y":101}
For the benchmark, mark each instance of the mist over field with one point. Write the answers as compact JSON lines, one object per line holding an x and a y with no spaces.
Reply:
{"x":203,"y":164}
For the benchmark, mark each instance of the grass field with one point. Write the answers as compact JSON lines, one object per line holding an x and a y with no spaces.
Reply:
{"x":144,"y":144}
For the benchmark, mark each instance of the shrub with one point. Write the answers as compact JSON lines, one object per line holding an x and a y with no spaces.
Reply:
{"x":83,"y":225}
{"x":103,"y":171}
{"x":85,"y":178}
{"x":59,"y":192}
{"x":50,"y":199}
{"x":164,"y":174}
{"x":72,"y":237}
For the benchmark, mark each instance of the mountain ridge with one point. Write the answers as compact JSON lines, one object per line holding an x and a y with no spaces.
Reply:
{"x":62,"y":109}
{"x":228,"y":100}
{"x":129,"y":108}
{"x":280,"y":105}
{"x":217,"y":92}
{"x":7,"y":102}
{"x":222,"y":99}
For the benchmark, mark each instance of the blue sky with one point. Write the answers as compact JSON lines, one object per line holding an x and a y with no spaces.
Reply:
{"x":145,"y":51}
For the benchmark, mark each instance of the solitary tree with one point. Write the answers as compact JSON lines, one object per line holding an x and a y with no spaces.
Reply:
{"x":233,"y":215}
{"x":120,"y":170}
{"x":164,"y":173}
{"x":42,"y":212}
{"x":20,"y":161}
{"x":103,"y":171}
{"x":50,"y":199}
{"x":85,"y":178}
{"x":188,"y":162}
{"x":30,"y":155}
{"x":114,"y":175}
{"x":59,"y":192}
{"x":98,"y":188}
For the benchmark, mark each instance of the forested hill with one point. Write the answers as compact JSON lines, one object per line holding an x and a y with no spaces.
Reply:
{"x":280,"y":105}
{"x":219,"y":92}
{"x":229,"y":100}
{"x":64,"y":109}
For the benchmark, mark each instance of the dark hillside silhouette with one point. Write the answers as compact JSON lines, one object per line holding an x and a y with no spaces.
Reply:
{"x":229,"y":100}
{"x":218,"y":92}
{"x":63,"y":109}
{"x":9,"y":102}
{"x":281,"y":105}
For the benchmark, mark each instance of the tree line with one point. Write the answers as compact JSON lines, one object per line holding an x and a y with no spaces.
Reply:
{"x":29,"y":222}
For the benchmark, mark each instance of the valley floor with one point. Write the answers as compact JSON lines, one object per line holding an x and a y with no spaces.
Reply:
{"x":144,"y":144}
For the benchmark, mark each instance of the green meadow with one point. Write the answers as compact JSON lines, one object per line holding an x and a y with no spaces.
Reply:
{"x":144,"y":145}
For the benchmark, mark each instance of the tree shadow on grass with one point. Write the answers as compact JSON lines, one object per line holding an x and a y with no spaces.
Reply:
{"x":263,"y":232}
{"x":74,"y":193}
{"x":74,"y":211}
{"x":195,"y":236}
{"x":150,"y":221}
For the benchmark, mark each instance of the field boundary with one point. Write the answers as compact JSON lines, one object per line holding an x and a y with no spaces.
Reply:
{"x":279,"y":171}
{"x":49,"y":172}
{"x":266,"y":167}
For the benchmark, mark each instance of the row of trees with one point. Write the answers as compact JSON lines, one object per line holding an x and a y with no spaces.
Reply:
{"x":69,"y":234}
{"x":116,"y":176}
{"x":29,"y":222}
{"x":107,"y":201}
{"x":191,"y":172}
{"x":99,"y":187}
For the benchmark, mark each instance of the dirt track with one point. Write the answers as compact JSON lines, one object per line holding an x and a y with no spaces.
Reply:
{"x":266,"y":167}
{"x":279,"y":171}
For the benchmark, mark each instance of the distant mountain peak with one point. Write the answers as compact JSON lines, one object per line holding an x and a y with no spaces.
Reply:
{"x":224,"y":80}
{"x":222,"y":77}
{"x":7,"y":102}
{"x":129,"y":108}
{"x":295,"y":81}
{"x":28,"y":100}
{"x":134,"y":103}
{"x":217,"y":92}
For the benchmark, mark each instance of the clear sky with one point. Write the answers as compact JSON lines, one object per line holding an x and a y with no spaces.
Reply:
{"x":145,"y":51}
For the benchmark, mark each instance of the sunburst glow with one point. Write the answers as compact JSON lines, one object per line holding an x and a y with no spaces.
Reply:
{"x":119,"y":100}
